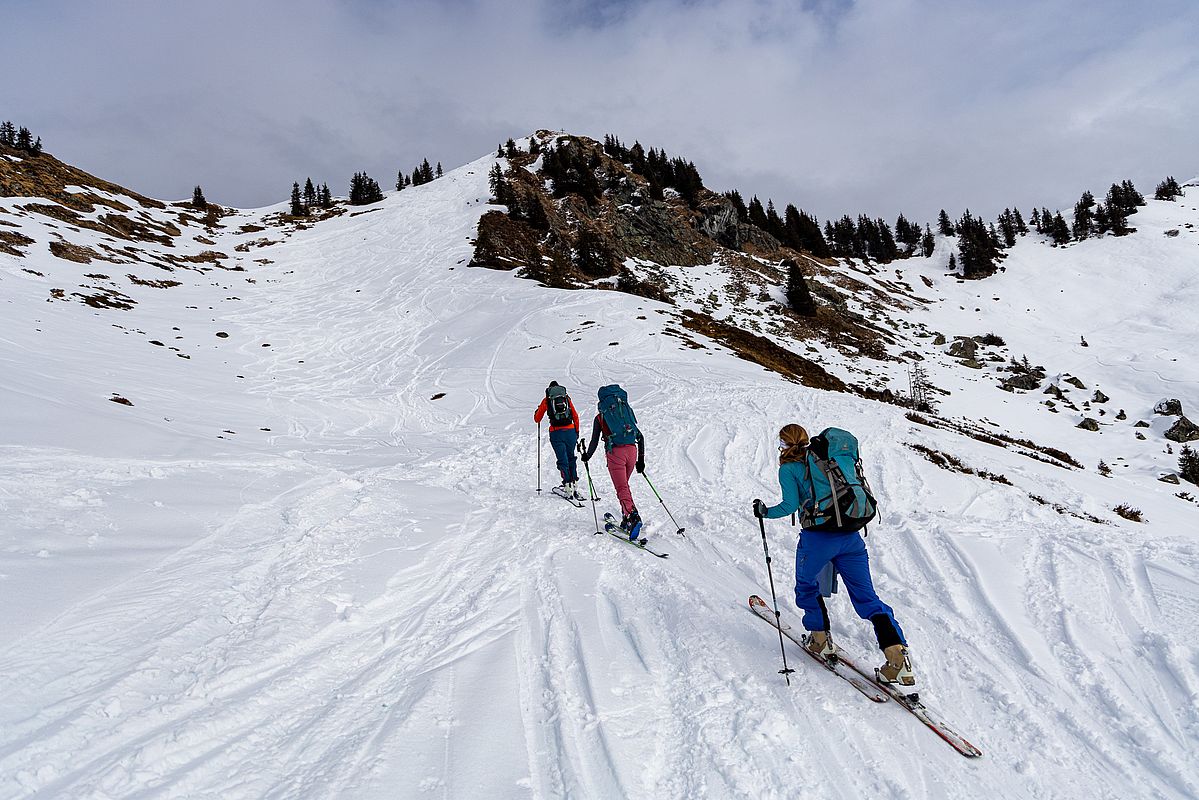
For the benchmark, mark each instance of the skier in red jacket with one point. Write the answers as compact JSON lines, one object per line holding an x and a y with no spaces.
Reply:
{"x":564,"y":433}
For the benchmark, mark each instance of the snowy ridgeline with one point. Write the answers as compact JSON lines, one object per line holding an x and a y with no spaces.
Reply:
{"x":287,"y":571}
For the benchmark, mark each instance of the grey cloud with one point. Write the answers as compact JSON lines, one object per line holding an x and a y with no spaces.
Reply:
{"x":873,"y":106}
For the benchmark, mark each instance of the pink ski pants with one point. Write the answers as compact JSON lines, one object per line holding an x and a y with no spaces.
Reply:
{"x":622,"y":460}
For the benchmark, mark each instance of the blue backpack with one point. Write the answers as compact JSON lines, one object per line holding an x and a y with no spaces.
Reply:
{"x":618,"y":417}
{"x":842,"y":500}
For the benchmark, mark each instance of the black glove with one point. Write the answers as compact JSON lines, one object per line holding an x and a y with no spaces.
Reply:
{"x":759,"y":508}
{"x":640,"y":465}
{"x":583,"y":454}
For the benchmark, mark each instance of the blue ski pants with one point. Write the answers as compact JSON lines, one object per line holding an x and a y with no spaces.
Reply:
{"x":563,"y":442}
{"x":847,"y":553}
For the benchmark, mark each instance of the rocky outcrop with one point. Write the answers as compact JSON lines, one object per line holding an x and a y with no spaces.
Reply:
{"x":963,"y":347}
{"x":1183,"y":431}
{"x":1088,"y":424}
{"x":1168,"y":407}
{"x":1024,"y":381}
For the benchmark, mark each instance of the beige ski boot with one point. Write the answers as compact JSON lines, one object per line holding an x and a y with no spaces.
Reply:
{"x":897,"y":671}
{"x":820,"y":644}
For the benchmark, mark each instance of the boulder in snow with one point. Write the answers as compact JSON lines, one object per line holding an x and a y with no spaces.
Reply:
{"x":1088,"y":424}
{"x":1183,"y":431}
{"x":963,"y":347}
{"x":1168,"y":407}
{"x":1169,"y":477}
{"x":1022,"y":381}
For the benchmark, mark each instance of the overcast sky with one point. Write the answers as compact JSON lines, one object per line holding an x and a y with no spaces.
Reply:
{"x":877,"y":106}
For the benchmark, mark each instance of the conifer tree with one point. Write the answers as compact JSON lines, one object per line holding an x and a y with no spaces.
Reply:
{"x":426,"y":171}
{"x":1036,"y":220}
{"x":309,"y":195}
{"x":757,"y":214}
{"x":537,"y":218}
{"x":1007,"y":227}
{"x":36,"y":148}
{"x":439,"y":172}
{"x":944,"y":225}
{"x":24,"y":139}
{"x":799,"y":296}
{"x":8,"y":135}
{"x":592,"y":256}
{"x":1116,"y":212}
{"x":928,"y":242}
{"x":297,"y":205}
{"x":1084,"y":216}
{"x":978,"y":248}
{"x":774,"y":223}
{"x":1166,"y":190}
{"x":1059,"y":231}
{"x":810,"y":238}
{"x":364,"y":190}
{"x":326,"y":197}
{"x":510,"y":148}
{"x":500,"y":193}
{"x":953,"y":263}
{"x":1021,"y":228}
{"x":400,"y":181}
{"x":1188,"y":465}
{"x":499,"y":151}
{"x":198,"y":200}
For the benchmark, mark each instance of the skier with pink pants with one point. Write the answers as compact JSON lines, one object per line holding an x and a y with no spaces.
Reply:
{"x":625,"y":447}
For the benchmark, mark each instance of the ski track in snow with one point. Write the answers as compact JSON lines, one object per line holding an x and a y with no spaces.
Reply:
{"x":384,"y":607}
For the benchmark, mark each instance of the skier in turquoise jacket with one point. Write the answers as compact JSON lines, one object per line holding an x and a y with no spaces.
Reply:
{"x":844,"y":551}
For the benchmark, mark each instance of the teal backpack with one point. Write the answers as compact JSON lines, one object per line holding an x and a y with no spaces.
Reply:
{"x":618,"y":417}
{"x":842,"y":500}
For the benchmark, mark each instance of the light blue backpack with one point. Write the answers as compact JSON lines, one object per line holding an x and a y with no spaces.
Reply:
{"x":842,"y":500}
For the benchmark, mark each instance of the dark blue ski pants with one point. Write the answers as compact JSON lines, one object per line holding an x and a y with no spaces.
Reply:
{"x":563,"y":442}
{"x":847,"y":553}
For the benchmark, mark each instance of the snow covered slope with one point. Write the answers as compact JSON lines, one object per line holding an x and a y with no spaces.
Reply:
{"x":309,"y":560}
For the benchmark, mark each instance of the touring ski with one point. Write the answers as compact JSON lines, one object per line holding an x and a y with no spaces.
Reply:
{"x":759,"y":607}
{"x":573,"y":499}
{"x":921,"y":712}
{"x":613,"y":529}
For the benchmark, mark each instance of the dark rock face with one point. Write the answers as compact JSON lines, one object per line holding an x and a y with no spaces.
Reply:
{"x":505,"y":243}
{"x":718,"y":221}
{"x":1183,"y":431}
{"x":1140,"y":423}
{"x":1088,"y":424}
{"x":1075,"y":382}
{"x":963,"y":347}
{"x":1168,"y":407}
{"x":1169,"y":477}
{"x":1100,"y":397}
{"x":1024,"y":381}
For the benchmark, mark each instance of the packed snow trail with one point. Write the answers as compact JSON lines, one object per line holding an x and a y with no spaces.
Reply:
{"x":383,"y":607}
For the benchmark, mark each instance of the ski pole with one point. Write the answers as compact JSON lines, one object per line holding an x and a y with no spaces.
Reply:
{"x":785,"y":671}
{"x":663,"y":502}
{"x":591,"y":487}
{"x":538,"y":458}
